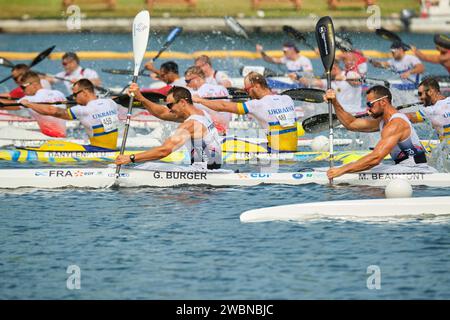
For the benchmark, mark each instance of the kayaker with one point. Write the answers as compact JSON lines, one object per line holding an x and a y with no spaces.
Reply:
{"x":196,"y":130}
{"x":442,"y":43}
{"x":275,"y":113}
{"x":436,"y":108}
{"x":99,"y":117}
{"x":196,"y":83}
{"x":398,"y":137}
{"x":295,"y":63}
{"x":408,"y":67}
{"x":34,"y":92}
{"x":212,"y":76}
{"x":74,"y":72}
{"x":167,"y":73}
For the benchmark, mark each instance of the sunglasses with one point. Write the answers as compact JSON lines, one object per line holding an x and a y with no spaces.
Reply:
{"x":371,"y":103}
{"x":189,"y":80}
{"x":420,"y":93}
{"x":25,"y":85}
{"x":77,"y":93}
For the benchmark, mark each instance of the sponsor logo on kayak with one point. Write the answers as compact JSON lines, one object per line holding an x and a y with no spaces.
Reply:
{"x":179,"y":175}
{"x":391,"y":176}
{"x":259,"y":175}
{"x":297,"y":176}
{"x":41,"y":174}
{"x":121,"y":175}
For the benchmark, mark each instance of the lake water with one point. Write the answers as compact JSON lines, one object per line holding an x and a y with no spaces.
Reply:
{"x":188,"y":243}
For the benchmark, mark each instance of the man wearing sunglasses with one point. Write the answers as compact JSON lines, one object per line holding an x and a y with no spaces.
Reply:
{"x":167,"y":73}
{"x":436,"y":108}
{"x":296,"y":64}
{"x":31,"y":85}
{"x":17,"y":72}
{"x":99,"y":117}
{"x":275,"y":113}
{"x":196,"y":131}
{"x":407,"y":66}
{"x":74,"y":72}
{"x":196,"y":83}
{"x":398,"y":137}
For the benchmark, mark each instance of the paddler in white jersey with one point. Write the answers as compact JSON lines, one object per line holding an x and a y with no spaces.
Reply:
{"x":196,"y":130}
{"x":212,"y":76}
{"x":196,"y":83}
{"x":408,"y":67}
{"x":74,"y":72}
{"x":398,"y":137}
{"x":275,"y":113}
{"x":34,"y":92}
{"x":436,"y":108}
{"x":99,"y":117}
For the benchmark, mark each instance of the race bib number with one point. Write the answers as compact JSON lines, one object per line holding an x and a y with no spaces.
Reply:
{"x":286,"y":120}
{"x":110,"y":123}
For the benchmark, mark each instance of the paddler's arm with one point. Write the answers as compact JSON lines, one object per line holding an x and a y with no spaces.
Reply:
{"x":218,"y":105}
{"x":174,"y":142}
{"x":265,"y":57}
{"x":390,"y":136}
{"x":159,"y":111}
{"x":379,"y":64}
{"x":347,"y":119}
{"x":47,"y":110}
{"x":414,"y":117}
{"x":7,"y":101}
{"x":425,"y":57}
{"x":417,"y":69}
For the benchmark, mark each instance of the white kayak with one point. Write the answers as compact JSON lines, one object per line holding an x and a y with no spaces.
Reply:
{"x":373,"y":208}
{"x":104,"y":177}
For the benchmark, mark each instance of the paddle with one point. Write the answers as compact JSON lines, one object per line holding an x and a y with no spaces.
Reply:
{"x":318,"y":122}
{"x":41,"y":56}
{"x":344,"y":44}
{"x":241,"y":32}
{"x":141,"y":30}
{"x":124,"y":72}
{"x":6,"y":63}
{"x":326,"y":43}
{"x":297,"y":35}
{"x":391,"y":36}
{"x":170,"y":38}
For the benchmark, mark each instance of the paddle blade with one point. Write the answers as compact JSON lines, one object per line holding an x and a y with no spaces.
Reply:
{"x":124,"y":100}
{"x":343,"y":44}
{"x":236,"y":27}
{"x":41,"y":56}
{"x":173,"y":34}
{"x":387,"y":35}
{"x":6,"y":63}
{"x":318,"y":123}
{"x":326,"y":42}
{"x":306,"y":94}
{"x":123,"y":72}
{"x":141,"y":30}
{"x":297,"y":35}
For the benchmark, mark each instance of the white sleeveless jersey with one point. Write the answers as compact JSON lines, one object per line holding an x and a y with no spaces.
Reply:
{"x":439,"y":115}
{"x":410,"y":147}
{"x":51,"y":126}
{"x":208,"y":149}
{"x":349,"y":96}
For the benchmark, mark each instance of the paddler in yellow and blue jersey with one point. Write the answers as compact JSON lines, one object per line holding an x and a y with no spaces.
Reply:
{"x":275,"y":113}
{"x":99,"y":117}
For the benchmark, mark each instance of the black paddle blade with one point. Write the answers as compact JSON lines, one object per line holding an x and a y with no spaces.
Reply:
{"x":318,"y":123}
{"x":305,"y":94}
{"x":326,"y":42}
{"x":6,"y":63}
{"x":124,"y":100}
{"x":387,"y":35}
{"x":236,"y":27}
{"x":41,"y":56}
{"x":297,"y":35}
